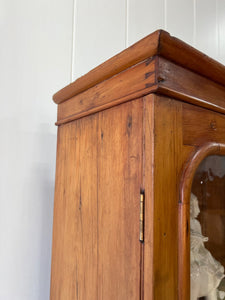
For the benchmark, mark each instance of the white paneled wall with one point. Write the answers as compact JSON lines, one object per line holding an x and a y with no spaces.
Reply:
{"x":180,"y":19}
{"x":44,"y":45}
{"x":207,"y":27}
{"x":103,"y":27}
{"x":221,"y":29}
{"x":35,"y":60}
{"x":144,"y":17}
{"x":99,"y":32}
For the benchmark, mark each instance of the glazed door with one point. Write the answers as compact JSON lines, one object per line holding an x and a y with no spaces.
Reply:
{"x":96,"y":249}
{"x":207,"y":230}
{"x":202,"y":224}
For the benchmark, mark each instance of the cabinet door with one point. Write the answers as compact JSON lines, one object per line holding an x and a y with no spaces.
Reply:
{"x":202,"y":206}
{"x":96,"y":251}
{"x":207,"y":229}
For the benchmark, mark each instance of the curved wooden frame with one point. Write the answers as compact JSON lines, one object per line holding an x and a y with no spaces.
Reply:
{"x":184,"y":212}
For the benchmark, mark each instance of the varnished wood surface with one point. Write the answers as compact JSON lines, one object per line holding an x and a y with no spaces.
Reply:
{"x":169,"y":156}
{"x":158,"y":43}
{"x":112,"y":144}
{"x":96,"y":249}
{"x":120,"y":62}
{"x":148,"y":185}
{"x":183,"y":84}
{"x":120,"y":177}
{"x":103,"y":160}
{"x":190,"y":58}
{"x":156,"y":75}
{"x":206,"y":125}
{"x":75,"y":234}
{"x":167,"y":215}
{"x":128,"y":85}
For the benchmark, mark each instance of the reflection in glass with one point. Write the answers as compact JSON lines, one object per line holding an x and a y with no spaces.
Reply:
{"x":207,"y":226}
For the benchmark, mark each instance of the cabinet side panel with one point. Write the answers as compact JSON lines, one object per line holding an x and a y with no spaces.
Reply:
{"x":74,"y":253}
{"x":119,"y":182}
{"x":169,"y":157}
{"x":96,"y":249}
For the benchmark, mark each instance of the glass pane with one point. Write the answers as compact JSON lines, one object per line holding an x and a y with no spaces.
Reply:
{"x":207,"y":224}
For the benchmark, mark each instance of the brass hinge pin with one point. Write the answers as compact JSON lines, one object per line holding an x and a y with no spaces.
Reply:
{"x":141,"y":234}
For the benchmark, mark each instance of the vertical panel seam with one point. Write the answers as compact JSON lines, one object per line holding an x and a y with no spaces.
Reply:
{"x":98,"y":163}
{"x":165,"y":14}
{"x":194,"y":25}
{"x":74,"y":14}
{"x":126,"y":22}
{"x":142,"y":257}
{"x":217,"y":29}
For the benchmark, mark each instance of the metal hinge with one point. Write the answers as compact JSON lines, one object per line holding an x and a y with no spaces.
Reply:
{"x":141,"y":219}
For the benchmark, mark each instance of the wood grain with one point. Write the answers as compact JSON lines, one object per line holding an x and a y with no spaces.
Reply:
{"x":130,"y":84}
{"x":167,"y":138}
{"x":178,"y":82}
{"x":75,"y":237}
{"x":206,"y":125}
{"x":120,"y":62}
{"x":96,"y":248}
{"x":111,"y":145}
{"x":190,"y":58}
{"x":158,"y":43}
{"x":153,"y":75}
{"x":148,"y":185}
{"x":120,"y":176}
{"x":169,"y":157}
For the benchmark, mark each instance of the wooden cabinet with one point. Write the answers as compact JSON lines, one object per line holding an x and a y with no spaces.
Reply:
{"x":136,"y":127}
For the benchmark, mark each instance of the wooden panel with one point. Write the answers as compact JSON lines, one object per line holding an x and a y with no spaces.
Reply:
{"x":122,"y":61}
{"x":155,"y":74}
{"x":96,"y":249}
{"x":120,"y":177}
{"x":158,"y":43}
{"x":136,"y":81}
{"x":165,"y":265}
{"x":190,"y":58}
{"x":74,"y":254}
{"x":148,"y":184}
{"x":144,"y":18}
{"x":169,"y":157}
{"x":201,"y":125}
{"x":190,"y":87}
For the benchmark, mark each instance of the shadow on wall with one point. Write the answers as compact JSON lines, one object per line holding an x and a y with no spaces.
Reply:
{"x":38,"y":199}
{"x":27,"y":155}
{"x":42,"y":175}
